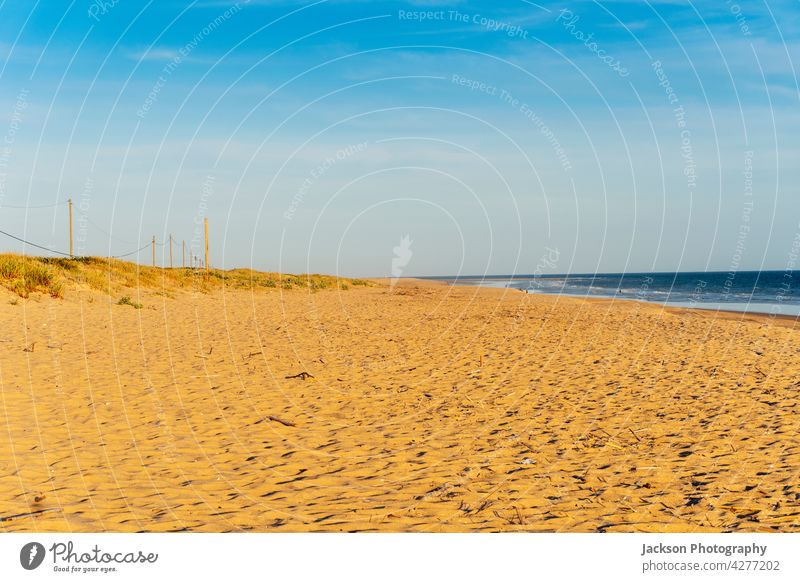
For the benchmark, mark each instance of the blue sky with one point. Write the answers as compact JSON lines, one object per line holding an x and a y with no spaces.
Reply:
{"x":627,"y":136}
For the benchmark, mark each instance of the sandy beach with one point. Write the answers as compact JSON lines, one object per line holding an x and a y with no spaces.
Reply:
{"x":421,"y":408}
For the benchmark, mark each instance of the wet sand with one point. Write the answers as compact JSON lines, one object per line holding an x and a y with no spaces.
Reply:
{"x":427,"y":408}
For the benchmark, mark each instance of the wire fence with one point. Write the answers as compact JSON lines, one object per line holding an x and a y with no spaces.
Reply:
{"x":195,"y":261}
{"x":9,"y":206}
{"x":27,"y":242}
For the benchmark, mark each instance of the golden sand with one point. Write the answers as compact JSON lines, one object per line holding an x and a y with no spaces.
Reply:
{"x":428,"y":408}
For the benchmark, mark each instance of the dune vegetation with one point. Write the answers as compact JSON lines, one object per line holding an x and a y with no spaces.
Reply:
{"x":25,"y":275}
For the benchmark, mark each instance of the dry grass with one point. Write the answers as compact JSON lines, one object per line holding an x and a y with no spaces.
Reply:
{"x":128,"y":301}
{"x":25,"y":275}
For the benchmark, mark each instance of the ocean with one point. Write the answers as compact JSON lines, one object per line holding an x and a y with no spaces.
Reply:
{"x":771,"y":292}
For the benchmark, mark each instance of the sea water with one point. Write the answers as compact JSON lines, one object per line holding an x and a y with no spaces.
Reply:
{"x":771,"y":292}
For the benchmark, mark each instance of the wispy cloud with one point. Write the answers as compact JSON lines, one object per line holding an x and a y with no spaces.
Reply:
{"x":166,"y":54}
{"x":155,"y":54}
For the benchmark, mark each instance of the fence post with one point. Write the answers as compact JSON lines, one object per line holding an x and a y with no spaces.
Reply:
{"x":183,"y":254}
{"x":69,"y":203}
{"x":170,"y":251}
{"x":154,"y":250}
{"x":206,"y":261}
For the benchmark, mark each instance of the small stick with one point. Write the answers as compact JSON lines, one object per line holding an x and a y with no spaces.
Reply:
{"x":302,"y":375}
{"x":634,"y":434}
{"x":280,"y":420}
{"x":519,"y":516}
{"x":28,"y":514}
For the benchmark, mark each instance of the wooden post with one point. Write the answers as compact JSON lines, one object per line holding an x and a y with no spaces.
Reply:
{"x":183,"y":254}
{"x":206,"y":261}
{"x":154,"y":250}
{"x":69,"y":202}
{"x":170,"y":251}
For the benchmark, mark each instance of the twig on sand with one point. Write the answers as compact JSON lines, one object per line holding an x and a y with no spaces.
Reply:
{"x":472,"y":401}
{"x":519,"y":516}
{"x":206,"y":355}
{"x":28,"y":514}
{"x":29,"y":348}
{"x":280,"y":420}
{"x":634,"y":434}
{"x":301,"y":375}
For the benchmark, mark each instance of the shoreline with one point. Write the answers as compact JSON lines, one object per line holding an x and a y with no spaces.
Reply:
{"x":757,"y":315}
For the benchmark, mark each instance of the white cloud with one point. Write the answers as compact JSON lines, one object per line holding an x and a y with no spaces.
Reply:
{"x":156,"y":54}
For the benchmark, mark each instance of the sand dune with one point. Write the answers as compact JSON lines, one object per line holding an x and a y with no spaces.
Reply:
{"x":430,"y":409}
